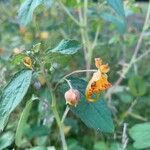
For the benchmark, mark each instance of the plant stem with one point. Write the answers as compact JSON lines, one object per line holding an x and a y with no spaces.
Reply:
{"x":59,"y":123}
{"x":79,"y":71}
{"x":133,"y":59}
{"x":84,"y":34}
{"x":68,"y":13}
{"x":74,"y":72}
{"x":54,"y":108}
{"x":65,"y":114}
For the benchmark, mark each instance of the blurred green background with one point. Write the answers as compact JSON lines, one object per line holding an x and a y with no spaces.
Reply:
{"x":130,"y":101}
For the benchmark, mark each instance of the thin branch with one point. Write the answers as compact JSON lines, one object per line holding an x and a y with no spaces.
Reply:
{"x":68,"y":13}
{"x":68,"y":81}
{"x":79,"y":71}
{"x":124,"y":137}
{"x":96,"y":37}
{"x":74,"y":72}
{"x":142,"y":56}
{"x":65,"y":114}
{"x":125,"y":70}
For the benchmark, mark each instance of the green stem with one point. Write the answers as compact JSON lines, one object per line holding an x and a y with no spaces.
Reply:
{"x":54,"y":108}
{"x":84,"y":34}
{"x":134,"y":56}
{"x":58,"y":120}
{"x":68,"y":13}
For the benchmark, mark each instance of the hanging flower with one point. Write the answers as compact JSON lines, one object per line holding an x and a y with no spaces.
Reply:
{"x":98,"y":82}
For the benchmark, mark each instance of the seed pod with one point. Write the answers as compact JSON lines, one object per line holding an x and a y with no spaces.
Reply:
{"x":72,"y":97}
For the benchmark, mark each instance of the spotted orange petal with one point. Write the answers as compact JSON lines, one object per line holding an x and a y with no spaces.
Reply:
{"x":97,"y":84}
{"x":104,"y":68}
{"x":98,"y":62}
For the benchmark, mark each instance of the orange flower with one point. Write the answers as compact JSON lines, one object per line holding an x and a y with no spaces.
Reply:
{"x":27,"y":62}
{"x":99,"y":81}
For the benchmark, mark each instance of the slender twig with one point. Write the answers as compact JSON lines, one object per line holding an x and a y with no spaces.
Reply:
{"x":74,"y":72}
{"x":85,"y":11}
{"x":96,"y":37}
{"x":124,"y":137}
{"x":65,"y":114}
{"x":142,"y":56}
{"x":68,"y":81}
{"x":136,"y":116}
{"x":126,"y":69}
{"x":129,"y":110}
{"x":79,"y":71}
{"x":68,"y":13}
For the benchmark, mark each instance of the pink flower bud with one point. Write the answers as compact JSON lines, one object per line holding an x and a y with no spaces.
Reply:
{"x":72,"y":97}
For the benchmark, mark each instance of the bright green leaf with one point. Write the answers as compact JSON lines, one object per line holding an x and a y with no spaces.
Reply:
{"x":17,"y":59}
{"x":13,"y":94}
{"x":66,"y":47}
{"x":117,"y":5}
{"x":140,"y":133}
{"x":137,"y":86}
{"x":95,"y":115}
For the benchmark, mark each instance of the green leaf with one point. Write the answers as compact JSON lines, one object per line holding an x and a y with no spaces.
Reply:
{"x":95,"y":115}
{"x":100,"y":146}
{"x":36,"y":47}
{"x":137,"y":85}
{"x":120,"y":23}
{"x":22,"y":122}
{"x":6,"y":139}
{"x":117,"y":5}
{"x":125,"y":97}
{"x":140,"y":133}
{"x":27,"y":8}
{"x":36,"y":131}
{"x":67,"y":47}
{"x":13,"y":94}
{"x":115,"y":146}
{"x":42,"y":148}
{"x":17,"y":59}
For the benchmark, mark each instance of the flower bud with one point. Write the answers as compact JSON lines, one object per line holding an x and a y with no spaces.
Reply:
{"x":72,"y":97}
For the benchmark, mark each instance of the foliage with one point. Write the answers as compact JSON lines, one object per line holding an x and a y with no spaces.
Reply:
{"x":48,"y":47}
{"x":140,"y":134}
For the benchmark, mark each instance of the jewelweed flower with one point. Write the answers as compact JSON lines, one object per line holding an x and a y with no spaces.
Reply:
{"x":27,"y":62}
{"x":98,"y":82}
